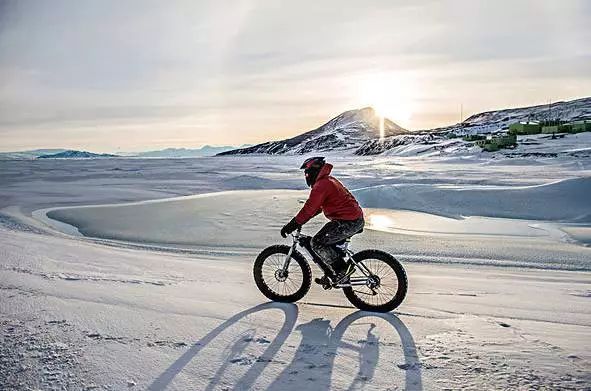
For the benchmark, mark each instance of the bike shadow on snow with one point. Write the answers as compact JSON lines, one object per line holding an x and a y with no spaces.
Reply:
{"x":247,"y":380}
{"x":314,"y":359}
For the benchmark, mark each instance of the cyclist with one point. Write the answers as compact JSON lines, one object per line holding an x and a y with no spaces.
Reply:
{"x":328,"y":195}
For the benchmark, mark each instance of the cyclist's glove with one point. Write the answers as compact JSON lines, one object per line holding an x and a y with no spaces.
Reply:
{"x":289,"y":227}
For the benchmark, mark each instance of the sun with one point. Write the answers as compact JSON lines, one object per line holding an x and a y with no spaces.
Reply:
{"x":390,"y":94}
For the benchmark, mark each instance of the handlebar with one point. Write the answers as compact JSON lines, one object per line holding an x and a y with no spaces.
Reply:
{"x":297,"y":233}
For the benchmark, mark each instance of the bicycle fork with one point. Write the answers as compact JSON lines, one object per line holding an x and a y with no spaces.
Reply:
{"x":292,"y":248}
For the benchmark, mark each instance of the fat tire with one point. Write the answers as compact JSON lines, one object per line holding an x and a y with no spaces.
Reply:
{"x":295,"y":256}
{"x":400,"y":275}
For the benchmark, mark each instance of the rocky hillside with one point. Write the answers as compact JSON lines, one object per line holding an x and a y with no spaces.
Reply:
{"x":481,"y":123}
{"x":490,"y":121}
{"x":345,"y":132}
{"x":357,"y":131}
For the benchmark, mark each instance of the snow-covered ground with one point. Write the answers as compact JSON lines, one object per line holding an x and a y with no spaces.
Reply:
{"x":159,"y":294}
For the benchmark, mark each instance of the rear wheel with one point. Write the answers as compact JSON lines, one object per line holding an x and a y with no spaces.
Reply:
{"x":386,"y":286}
{"x":276,"y":284}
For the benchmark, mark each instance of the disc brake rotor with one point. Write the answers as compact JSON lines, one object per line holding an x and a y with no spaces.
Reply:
{"x":373,"y":282}
{"x":280,"y":275}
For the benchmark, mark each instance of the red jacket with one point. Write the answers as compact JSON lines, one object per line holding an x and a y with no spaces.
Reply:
{"x":331,"y":197}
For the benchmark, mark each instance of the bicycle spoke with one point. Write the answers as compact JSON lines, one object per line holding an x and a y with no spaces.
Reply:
{"x":385,"y":290}
{"x":282,"y":286}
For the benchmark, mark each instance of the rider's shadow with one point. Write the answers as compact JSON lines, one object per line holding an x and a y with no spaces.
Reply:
{"x":313,"y":363}
{"x":309,"y":361}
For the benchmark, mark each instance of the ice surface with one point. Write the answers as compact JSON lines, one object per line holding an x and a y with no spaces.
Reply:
{"x":205,"y":325}
{"x":249,"y":220}
{"x":171,"y":302}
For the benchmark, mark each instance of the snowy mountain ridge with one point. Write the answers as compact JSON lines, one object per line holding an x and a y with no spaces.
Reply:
{"x":344,"y":132}
{"x":30,"y":154}
{"x":357,"y":131}
{"x":490,"y":121}
{"x":71,"y":154}
{"x":434,"y":140}
{"x":206,"y":150}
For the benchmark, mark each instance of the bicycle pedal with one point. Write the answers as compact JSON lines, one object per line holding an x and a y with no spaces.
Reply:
{"x":324,"y":282}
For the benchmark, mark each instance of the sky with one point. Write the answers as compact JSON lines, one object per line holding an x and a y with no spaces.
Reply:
{"x":112,"y":76}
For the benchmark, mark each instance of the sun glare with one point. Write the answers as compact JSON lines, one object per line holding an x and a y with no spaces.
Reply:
{"x":380,"y":222}
{"x":391,"y":95}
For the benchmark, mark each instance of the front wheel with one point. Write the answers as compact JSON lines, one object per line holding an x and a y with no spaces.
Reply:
{"x":386,"y":287}
{"x":275,"y":283}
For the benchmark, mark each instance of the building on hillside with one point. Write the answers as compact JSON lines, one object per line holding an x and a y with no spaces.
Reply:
{"x":474,"y":137}
{"x":494,"y":143}
{"x":581,"y":126}
{"x":549,"y":127}
{"x":525,"y":128}
{"x":561,"y":128}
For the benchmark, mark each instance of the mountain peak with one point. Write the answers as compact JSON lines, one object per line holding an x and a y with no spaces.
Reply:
{"x":344,"y":132}
{"x":364,"y":112}
{"x":367,"y":114}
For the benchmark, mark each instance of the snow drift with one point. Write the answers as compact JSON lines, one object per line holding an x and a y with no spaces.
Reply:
{"x":564,"y":201}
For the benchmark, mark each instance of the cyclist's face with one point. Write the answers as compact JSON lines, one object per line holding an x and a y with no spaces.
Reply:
{"x":311,"y":174}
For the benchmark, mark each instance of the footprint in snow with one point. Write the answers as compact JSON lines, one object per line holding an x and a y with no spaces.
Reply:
{"x":409,"y":367}
{"x":261,"y":340}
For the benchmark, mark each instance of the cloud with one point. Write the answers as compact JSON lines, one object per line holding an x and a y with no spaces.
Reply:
{"x":257,"y":70}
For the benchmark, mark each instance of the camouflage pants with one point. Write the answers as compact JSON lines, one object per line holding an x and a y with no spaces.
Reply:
{"x":334,"y":232}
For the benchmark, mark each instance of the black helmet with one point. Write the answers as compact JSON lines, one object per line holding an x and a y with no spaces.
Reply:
{"x":312,"y":167}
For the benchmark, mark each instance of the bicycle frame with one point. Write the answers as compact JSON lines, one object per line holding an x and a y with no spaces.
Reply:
{"x":305,"y":242}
